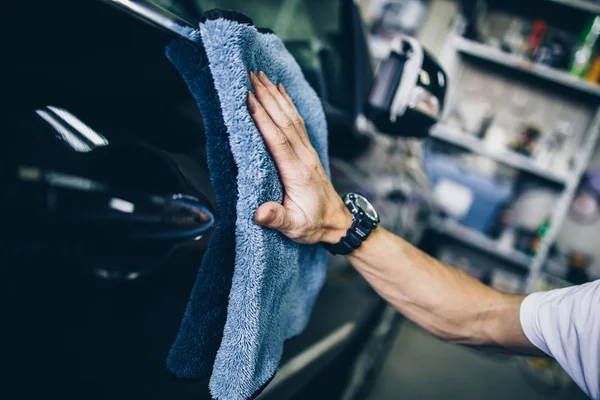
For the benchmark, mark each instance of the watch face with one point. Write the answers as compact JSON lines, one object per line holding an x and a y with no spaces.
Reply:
{"x":366,"y":206}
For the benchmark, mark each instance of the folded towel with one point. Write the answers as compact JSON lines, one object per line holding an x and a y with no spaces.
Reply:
{"x":193,"y":352}
{"x":275,"y":281}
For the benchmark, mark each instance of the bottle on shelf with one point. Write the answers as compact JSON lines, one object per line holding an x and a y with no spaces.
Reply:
{"x":536,"y":37}
{"x":578,"y":263}
{"x":555,"y":49}
{"x":514,"y":40}
{"x":526,"y":141}
{"x":593,"y":74}
{"x":554,"y":145}
{"x":541,"y":233}
{"x":585,"y":49}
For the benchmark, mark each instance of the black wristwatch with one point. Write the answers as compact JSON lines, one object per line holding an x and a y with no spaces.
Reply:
{"x":364,"y":220}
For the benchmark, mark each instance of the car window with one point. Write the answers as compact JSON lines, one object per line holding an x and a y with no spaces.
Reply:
{"x":317,"y":33}
{"x":289,"y":19}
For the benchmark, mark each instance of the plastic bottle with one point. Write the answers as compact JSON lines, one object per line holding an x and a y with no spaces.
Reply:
{"x":583,"y":55}
{"x":593,"y":74}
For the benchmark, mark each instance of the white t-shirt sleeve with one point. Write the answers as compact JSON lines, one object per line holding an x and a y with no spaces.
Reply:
{"x":565,"y":324}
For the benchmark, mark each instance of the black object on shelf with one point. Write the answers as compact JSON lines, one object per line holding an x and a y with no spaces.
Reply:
{"x":578,"y":263}
{"x":409,"y":92}
{"x":471,"y":10}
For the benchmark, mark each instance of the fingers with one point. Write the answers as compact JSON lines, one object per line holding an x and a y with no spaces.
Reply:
{"x":287,"y":107}
{"x":271,"y":100}
{"x":286,"y":96}
{"x":298,"y":117}
{"x":273,"y":109}
{"x":277,"y":143}
{"x":273,"y":215}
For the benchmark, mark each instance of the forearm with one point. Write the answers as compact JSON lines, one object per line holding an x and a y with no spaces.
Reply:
{"x":441,"y":299}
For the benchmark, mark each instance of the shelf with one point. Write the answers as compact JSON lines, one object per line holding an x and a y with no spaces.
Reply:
{"x":588,"y":6}
{"x":554,"y":280}
{"x":500,"y":57}
{"x":503,"y":155}
{"x":478,"y":240}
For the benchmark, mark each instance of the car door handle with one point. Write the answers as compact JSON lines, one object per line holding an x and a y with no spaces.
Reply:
{"x":56,"y":199}
{"x":115,"y":233}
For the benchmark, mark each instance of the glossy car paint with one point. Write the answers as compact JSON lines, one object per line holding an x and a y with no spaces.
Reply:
{"x":92,"y":308}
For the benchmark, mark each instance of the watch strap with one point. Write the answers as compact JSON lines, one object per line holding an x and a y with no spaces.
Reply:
{"x":354,"y":238}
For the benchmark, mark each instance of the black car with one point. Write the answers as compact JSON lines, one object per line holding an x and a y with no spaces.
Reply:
{"x":107,"y":206}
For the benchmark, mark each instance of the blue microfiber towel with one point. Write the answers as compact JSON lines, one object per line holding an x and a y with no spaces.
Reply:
{"x":193,"y":352}
{"x":275,"y":281}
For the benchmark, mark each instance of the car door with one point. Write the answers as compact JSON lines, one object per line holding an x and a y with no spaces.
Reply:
{"x":93,"y":314}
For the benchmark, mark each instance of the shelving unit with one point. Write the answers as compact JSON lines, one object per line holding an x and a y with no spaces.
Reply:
{"x":456,"y":51}
{"x":464,"y":234}
{"x":588,"y":6}
{"x":500,"y":57}
{"x":505,"y":156}
{"x":561,"y":209}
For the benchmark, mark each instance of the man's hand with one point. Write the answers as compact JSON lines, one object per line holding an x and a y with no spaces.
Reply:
{"x":312,"y":211}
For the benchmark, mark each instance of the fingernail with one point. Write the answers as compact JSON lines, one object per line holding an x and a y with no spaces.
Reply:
{"x":272,"y":215}
{"x":263,"y":78}
{"x":256,"y":81}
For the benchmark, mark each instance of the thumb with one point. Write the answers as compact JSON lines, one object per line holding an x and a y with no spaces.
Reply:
{"x":272,"y":215}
